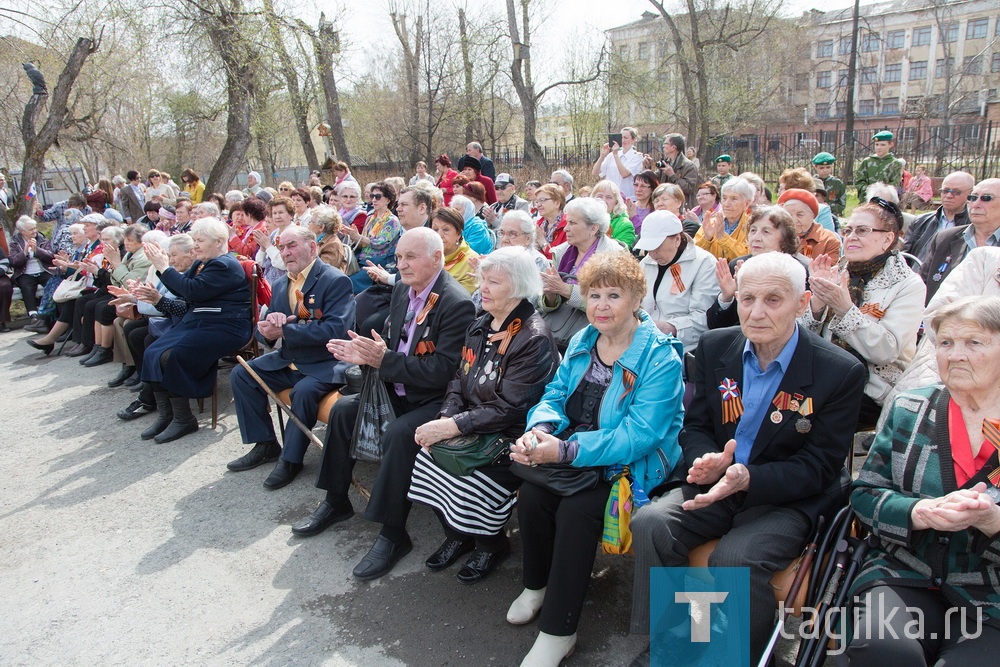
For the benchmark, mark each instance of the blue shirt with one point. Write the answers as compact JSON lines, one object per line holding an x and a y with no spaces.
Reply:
{"x":759,"y":388}
{"x":969,"y":235}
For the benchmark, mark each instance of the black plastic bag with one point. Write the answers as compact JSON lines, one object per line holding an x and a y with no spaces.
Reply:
{"x":374,"y":415}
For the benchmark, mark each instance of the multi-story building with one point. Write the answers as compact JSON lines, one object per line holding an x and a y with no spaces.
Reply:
{"x":929,"y":63}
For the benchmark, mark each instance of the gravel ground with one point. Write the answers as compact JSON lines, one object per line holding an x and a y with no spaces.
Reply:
{"x":118,"y":551}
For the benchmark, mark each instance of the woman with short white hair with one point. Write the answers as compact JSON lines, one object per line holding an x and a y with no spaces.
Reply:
{"x":724,"y":233}
{"x":182,"y":363}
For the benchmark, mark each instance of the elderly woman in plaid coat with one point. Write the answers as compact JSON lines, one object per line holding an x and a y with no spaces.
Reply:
{"x":929,"y":589}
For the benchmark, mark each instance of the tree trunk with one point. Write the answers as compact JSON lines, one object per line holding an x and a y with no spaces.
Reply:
{"x":471,"y":110}
{"x":411,"y":68}
{"x":701,"y":110}
{"x":520,"y":69}
{"x":847,"y":171}
{"x":326,"y":44}
{"x":38,"y":142}
{"x":300,"y":108}
{"x":686,"y":75}
{"x":242,"y":66}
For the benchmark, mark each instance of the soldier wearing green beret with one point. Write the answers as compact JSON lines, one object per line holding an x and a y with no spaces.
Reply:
{"x":882,"y":166}
{"x":723,"y":164}
{"x":836,"y":191}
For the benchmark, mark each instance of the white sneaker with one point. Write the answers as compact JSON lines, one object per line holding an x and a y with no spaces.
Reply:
{"x":549,"y":650}
{"x":525,"y":608}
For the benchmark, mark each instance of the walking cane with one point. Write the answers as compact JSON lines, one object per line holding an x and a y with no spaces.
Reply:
{"x":365,"y":493}
{"x":805,"y":565}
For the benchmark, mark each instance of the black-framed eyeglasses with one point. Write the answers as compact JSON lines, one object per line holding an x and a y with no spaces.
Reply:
{"x":404,"y":331}
{"x":887,"y":205}
{"x":985,"y":198}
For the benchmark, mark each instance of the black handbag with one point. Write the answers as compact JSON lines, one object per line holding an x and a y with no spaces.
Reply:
{"x":562,"y":479}
{"x":374,"y":416}
{"x":461,"y":455}
{"x":564,"y":322}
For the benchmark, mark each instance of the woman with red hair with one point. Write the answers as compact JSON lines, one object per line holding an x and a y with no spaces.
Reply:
{"x":445,"y":176}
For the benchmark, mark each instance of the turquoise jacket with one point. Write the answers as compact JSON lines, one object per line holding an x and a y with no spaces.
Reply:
{"x":641,"y":413}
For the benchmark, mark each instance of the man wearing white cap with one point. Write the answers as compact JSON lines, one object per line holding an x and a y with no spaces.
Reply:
{"x":507,"y":200}
{"x":680,"y":278}
{"x":253,"y":184}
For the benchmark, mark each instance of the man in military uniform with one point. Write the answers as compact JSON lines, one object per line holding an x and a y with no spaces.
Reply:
{"x":882,"y":166}
{"x":836,"y":191}
{"x":723,"y":164}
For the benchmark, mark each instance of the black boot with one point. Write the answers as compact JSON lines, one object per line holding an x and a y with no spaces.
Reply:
{"x":184,"y":421}
{"x":102,"y":356}
{"x":163,"y":418}
{"x":93,"y":352}
{"x":125,"y":373}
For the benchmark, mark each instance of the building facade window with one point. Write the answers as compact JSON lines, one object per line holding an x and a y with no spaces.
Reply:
{"x":871,"y":42}
{"x":823,"y":79}
{"x":922,"y":36}
{"x":845,"y":46}
{"x":643,"y":51}
{"x":944,"y":67}
{"x":972,"y":65}
{"x":868,"y":75}
{"x":976,"y":28}
{"x":918,"y":70}
{"x":866,"y":108}
{"x":895,"y":39}
{"x":995,"y":65}
{"x":841,"y":78}
{"x":894,"y":72}
{"x":890,"y":106}
{"x":949,"y":33}
{"x":824,"y":48}
{"x":841,"y":109}
{"x":823,"y":110}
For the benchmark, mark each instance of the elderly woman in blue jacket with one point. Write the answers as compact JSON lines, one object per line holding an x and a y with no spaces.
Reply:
{"x":615,"y":401}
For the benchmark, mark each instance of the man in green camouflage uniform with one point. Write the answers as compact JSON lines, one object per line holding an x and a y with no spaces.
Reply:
{"x":723,"y":164}
{"x":882,"y":166}
{"x":836,"y":191}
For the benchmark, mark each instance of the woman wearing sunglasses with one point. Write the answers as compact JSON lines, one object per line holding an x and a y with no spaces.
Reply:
{"x":871,"y":302}
{"x":376,"y":243}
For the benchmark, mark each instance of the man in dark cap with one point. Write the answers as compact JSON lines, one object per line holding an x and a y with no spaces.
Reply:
{"x":881,"y":166}
{"x":723,"y":164}
{"x":836,"y":191}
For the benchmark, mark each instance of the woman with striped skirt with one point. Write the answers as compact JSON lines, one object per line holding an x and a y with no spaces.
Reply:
{"x":508,"y":357}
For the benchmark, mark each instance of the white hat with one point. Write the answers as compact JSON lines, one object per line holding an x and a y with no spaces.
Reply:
{"x":657,"y":226}
{"x":95,"y":218}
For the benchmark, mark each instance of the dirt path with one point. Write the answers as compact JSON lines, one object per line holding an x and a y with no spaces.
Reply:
{"x":117,"y":551}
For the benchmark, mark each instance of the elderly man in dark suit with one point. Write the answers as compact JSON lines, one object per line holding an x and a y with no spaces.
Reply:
{"x":310,"y":305}
{"x":948,"y":248}
{"x":417,"y":355}
{"x":764,"y":441}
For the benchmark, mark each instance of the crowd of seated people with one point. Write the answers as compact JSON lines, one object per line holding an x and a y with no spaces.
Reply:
{"x":800,"y":327}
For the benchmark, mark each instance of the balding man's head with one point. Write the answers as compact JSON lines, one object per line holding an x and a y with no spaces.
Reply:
{"x":419,"y":257}
{"x":955,"y":187}
{"x":985,"y":215}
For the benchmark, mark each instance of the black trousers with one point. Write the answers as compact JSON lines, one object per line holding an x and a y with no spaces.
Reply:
{"x":879,"y":644}
{"x":80,"y":332}
{"x":559,"y":536}
{"x":90,"y":310}
{"x":136,"y":333}
{"x":6,"y":295}
{"x":388,"y":504}
{"x":28,"y":284}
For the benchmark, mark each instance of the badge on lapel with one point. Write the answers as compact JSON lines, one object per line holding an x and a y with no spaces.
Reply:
{"x":732,"y":404}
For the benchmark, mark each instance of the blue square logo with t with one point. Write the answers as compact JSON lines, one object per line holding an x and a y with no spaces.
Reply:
{"x":699,"y":616}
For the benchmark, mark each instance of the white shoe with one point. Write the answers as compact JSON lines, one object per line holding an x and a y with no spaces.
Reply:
{"x":525,"y":608}
{"x":549,"y":650}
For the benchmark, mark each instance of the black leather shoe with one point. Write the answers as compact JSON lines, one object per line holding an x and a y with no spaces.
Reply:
{"x":79,"y":350}
{"x":261,"y":453}
{"x":381,"y":558}
{"x":322,"y":518}
{"x":449,"y":552}
{"x":480,"y":564}
{"x":37,"y":326}
{"x":94,"y":351}
{"x":102,"y":356}
{"x":135,"y":410}
{"x":132,"y":381}
{"x":125,"y":373}
{"x":47,"y":349}
{"x":282,"y":475}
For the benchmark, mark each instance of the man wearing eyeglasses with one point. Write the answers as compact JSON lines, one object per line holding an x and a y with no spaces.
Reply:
{"x":951,"y":213}
{"x":948,"y":248}
{"x":416,"y":355}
